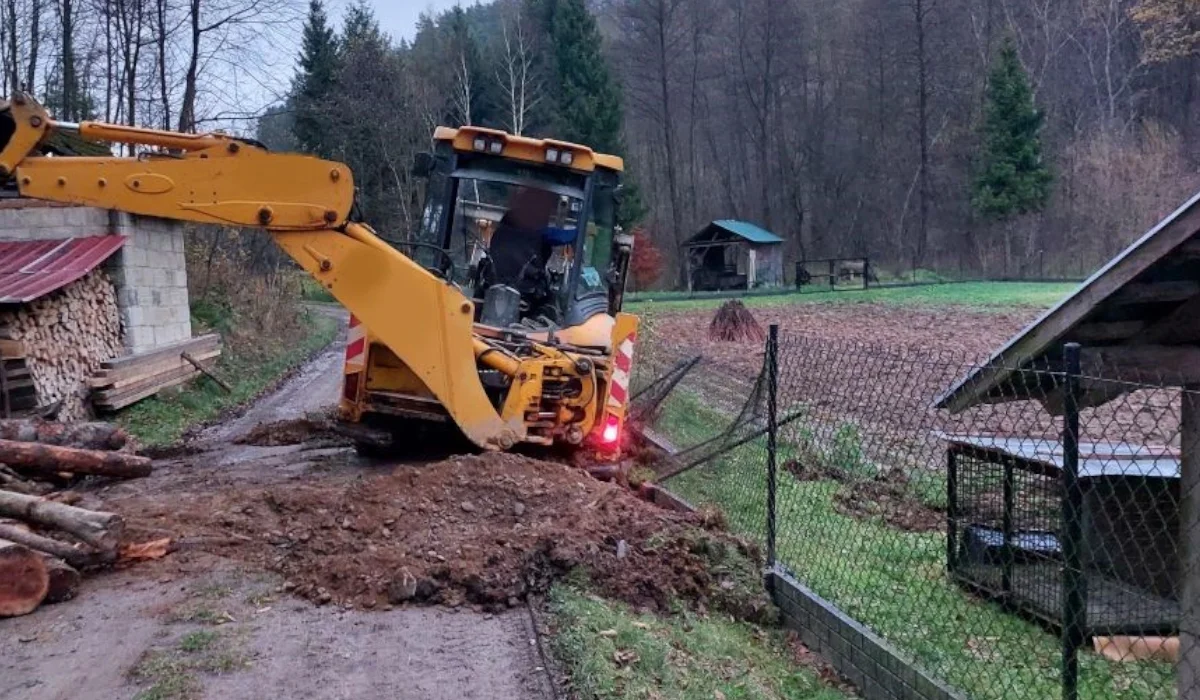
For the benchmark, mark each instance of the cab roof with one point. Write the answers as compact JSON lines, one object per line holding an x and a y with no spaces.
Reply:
{"x":528,"y":149}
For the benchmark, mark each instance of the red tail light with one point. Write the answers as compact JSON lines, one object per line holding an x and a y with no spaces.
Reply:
{"x":611,"y":432}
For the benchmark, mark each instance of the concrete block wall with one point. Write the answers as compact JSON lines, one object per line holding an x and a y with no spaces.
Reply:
{"x":149,"y":271}
{"x":151,"y":278}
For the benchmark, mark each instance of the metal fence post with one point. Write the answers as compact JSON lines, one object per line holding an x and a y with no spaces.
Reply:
{"x":772,"y":429}
{"x":1074,"y":594}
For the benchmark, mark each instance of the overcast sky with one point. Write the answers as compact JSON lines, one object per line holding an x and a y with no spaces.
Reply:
{"x":399,"y":17}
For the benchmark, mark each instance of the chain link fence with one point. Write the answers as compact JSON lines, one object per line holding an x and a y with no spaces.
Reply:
{"x":1032,"y":547}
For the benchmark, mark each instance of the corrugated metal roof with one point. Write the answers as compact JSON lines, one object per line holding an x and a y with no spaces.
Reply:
{"x":30,"y":269}
{"x":748,"y":231}
{"x":1096,"y":459}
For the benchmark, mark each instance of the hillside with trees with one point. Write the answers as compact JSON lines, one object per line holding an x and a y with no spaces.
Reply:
{"x":858,"y":127}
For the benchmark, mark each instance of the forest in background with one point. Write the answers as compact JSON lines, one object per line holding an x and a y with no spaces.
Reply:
{"x":848,"y":127}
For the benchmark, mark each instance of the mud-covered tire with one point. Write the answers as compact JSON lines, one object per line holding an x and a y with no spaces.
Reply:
{"x":372,"y":450}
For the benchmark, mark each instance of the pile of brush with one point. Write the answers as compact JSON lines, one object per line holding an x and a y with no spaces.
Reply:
{"x":734,"y":323}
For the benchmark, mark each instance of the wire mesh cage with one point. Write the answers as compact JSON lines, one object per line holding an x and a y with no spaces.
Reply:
{"x":1005,"y":511}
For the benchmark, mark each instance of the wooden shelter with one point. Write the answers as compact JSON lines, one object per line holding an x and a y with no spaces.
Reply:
{"x":1138,"y":317}
{"x":730,"y":254}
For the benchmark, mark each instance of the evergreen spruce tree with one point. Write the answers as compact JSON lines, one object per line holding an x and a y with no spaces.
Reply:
{"x":316,"y":83}
{"x":1012,"y":178}
{"x":586,"y":99}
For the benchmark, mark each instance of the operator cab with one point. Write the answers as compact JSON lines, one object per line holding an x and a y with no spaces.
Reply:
{"x":526,"y":228}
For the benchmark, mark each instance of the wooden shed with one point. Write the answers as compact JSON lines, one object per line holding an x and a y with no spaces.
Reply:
{"x":1138,"y":316}
{"x":730,"y":254}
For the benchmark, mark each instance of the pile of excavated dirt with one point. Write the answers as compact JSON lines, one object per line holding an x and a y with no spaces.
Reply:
{"x":484,"y":530}
{"x":290,"y":432}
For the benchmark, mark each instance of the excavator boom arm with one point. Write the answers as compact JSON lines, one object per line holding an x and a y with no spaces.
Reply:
{"x":304,"y":203}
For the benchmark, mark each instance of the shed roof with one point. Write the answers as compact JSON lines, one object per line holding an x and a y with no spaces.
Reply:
{"x":30,"y":269}
{"x":1144,"y":303}
{"x":740,"y":229}
{"x":1096,"y":459}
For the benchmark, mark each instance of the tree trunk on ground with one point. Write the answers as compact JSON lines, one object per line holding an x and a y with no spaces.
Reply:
{"x":52,"y":459}
{"x":64,"y":579}
{"x":24,"y":581}
{"x":77,"y":557}
{"x":11,"y":481}
{"x":90,"y":436}
{"x":99,"y":529}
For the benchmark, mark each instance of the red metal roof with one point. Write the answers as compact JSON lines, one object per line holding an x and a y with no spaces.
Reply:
{"x":30,"y":269}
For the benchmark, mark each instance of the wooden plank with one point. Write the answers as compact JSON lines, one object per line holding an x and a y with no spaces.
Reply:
{"x":1172,"y":365}
{"x":1157,"y":292}
{"x":195,"y":345}
{"x":153,"y":382}
{"x":124,"y":376}
{"x":12,"y":349}
{"x":1101,"y":332}
{"x":128,"y":399}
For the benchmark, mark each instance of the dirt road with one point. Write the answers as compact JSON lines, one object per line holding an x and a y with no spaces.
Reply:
{"x":200,"y":625}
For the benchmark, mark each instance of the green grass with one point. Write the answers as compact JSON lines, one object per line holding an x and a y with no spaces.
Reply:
{"x":162,"y":420}
{"x":172,"y":673}
{"x":312,"y":290}
{"x":197,"y":641}
{"x":894,"y":582}
{"x":609,"y":651}
{"x":982,"y":296}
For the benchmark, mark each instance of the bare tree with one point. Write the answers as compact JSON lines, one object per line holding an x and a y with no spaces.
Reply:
{"x":515,"y":73}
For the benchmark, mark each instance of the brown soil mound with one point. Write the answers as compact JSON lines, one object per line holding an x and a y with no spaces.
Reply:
{"x":888,"y":496}
{"x":483,"y":530}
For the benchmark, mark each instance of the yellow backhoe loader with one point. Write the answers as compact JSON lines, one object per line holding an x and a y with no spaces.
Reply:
{"x":500,"y":316}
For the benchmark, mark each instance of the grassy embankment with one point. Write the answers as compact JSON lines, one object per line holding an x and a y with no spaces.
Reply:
{"x":254,"y":358}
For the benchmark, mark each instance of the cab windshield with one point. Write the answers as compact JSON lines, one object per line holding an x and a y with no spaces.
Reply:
{"x":493,"y":221}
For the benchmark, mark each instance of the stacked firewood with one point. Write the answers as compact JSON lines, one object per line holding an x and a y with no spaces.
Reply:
{"x":45,"y":540}
{"x":64,"y":337}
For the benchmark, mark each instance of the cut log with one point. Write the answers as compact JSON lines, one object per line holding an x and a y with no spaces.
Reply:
{"x":733,"y":322}
{"x":91,"y":436}
{"x":76,"y":556}
{"x":64,"y":579}
{"x":24,"y":581}
{"x":51,"y":459}
{"x":12,"y":481}
{"x":99,"y":529}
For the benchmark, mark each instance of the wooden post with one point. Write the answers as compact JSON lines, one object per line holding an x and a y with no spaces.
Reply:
{"x":1187,"y":673}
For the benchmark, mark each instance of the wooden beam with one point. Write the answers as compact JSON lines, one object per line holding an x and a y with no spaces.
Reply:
{"x":1157,"y":292}
{"x":1182,"y":325}
{"x":1189,"y":249}
{"x":1188,"y":668}
{"x":1105,"y":331}
{"x":1170,"y":365}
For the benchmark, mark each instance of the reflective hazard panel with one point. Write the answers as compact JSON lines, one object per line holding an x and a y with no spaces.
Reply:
{"x":356,"y":346}
{"x":616,"y":404}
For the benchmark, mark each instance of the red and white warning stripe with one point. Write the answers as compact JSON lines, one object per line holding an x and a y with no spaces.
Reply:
{"x":618,"y":390}
{"x":356,"y":346}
